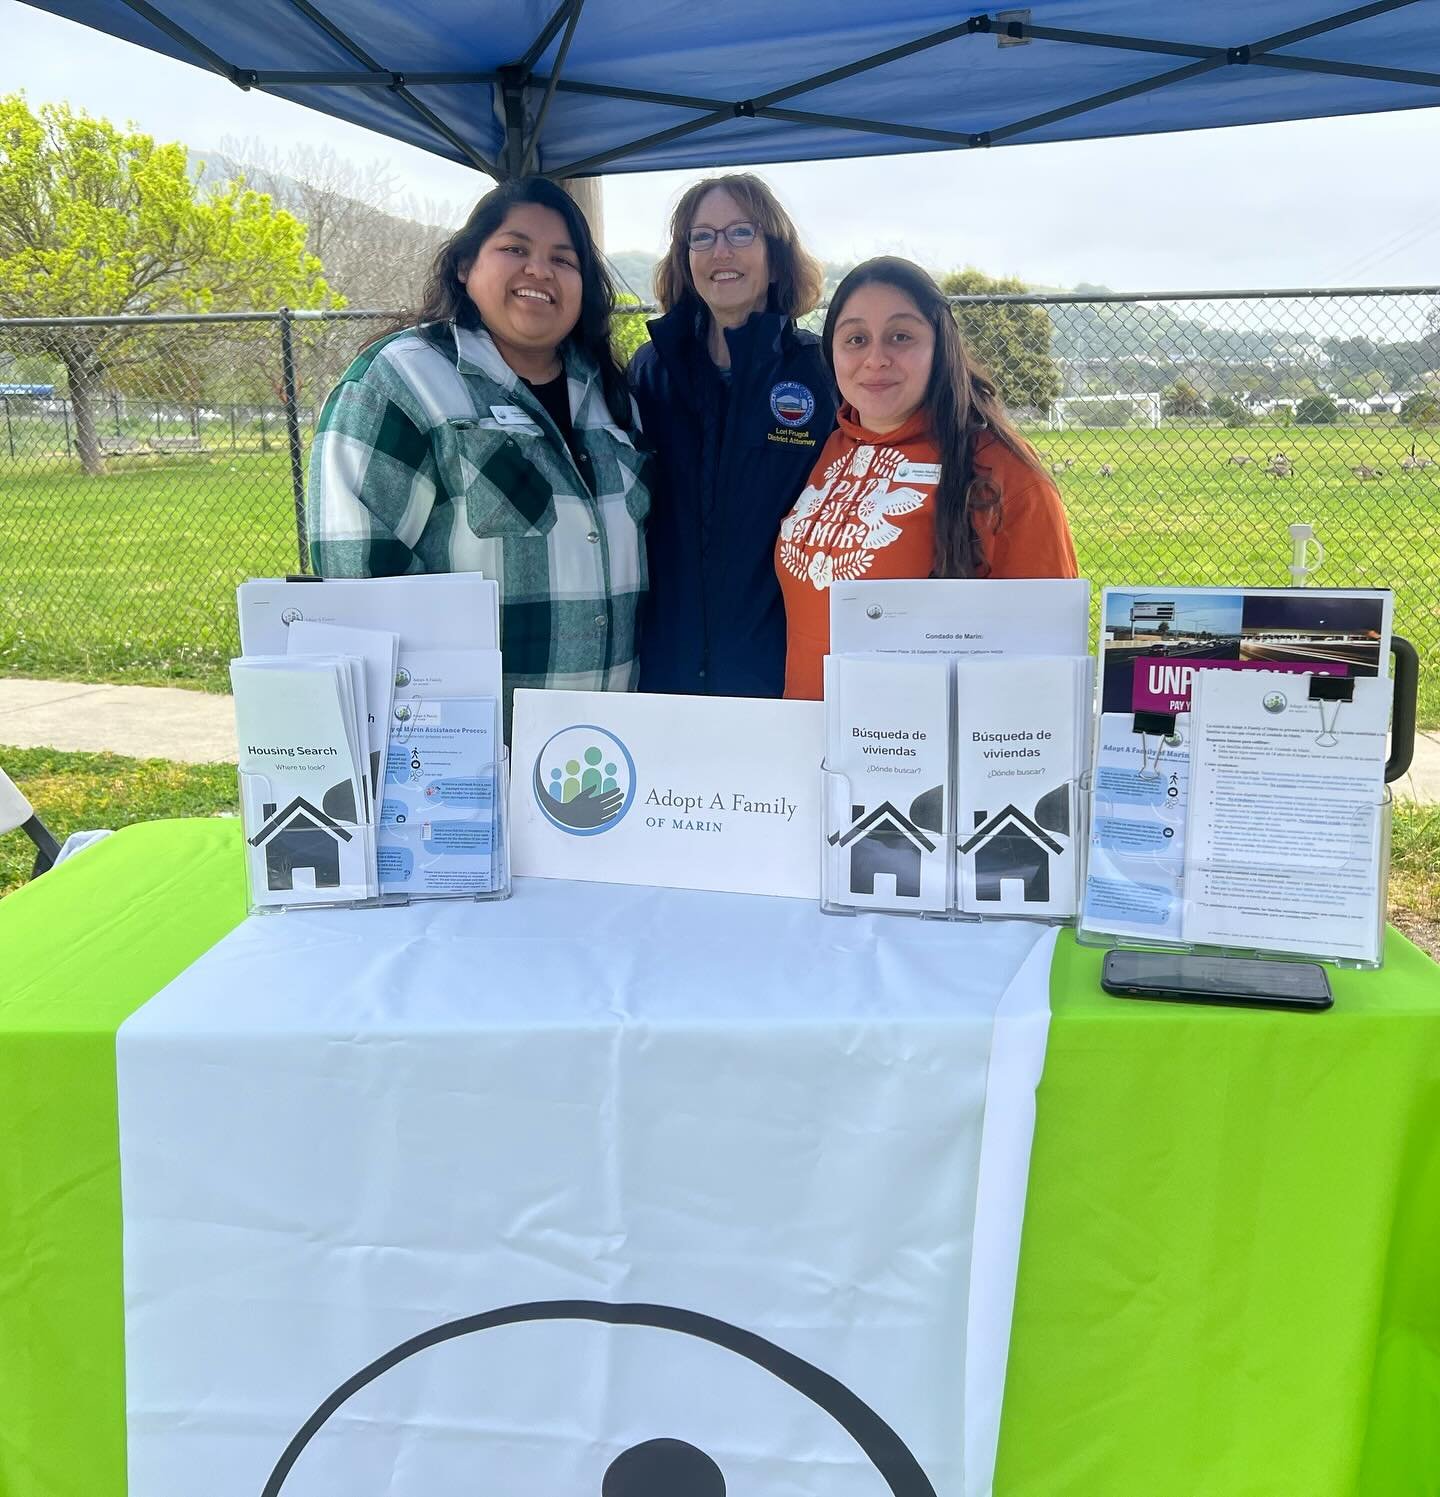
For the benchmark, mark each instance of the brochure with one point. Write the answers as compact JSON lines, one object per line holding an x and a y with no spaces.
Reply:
{"x":1137,"y":830}
{"x":377,"y":649}
{"x":440,"y":611}
{"x":1021,"y":741}
{"x":1282,"y":849}
{"x":304,"y":786}
{"x":940,"y":616}
{"x":1154,"y":641}
{"x":887,"y":750}
{"x":437,"y":831}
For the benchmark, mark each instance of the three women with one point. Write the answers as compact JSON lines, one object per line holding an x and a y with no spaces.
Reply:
{"x":496,"y":434}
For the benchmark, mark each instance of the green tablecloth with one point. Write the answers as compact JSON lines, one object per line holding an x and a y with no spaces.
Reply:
{"x":1230,"y":1275}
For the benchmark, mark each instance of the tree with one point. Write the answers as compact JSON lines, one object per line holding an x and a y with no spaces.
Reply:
{"x":1316,"y":410}
{"x":1229,"y":410}
{"x":1422,"y":409}
{"x":1011,"y":340}
{"x":628,"y":330}
{"x":101,"y":222}
{"x":1182,"y":399}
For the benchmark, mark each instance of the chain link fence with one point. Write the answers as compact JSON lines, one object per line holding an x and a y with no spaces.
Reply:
{"x":149,"y":465}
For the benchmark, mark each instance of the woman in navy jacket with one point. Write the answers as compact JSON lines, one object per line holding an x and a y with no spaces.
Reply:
{"x":737,"y":401}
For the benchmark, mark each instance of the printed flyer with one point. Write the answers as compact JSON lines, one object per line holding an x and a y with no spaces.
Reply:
{"x":1282,"y":850}
{"x":887,"y":751}
{"x":1020,"y":746}
{"x":1153,"y":641}
{"x":1137,"y":830}
{"x":437,"y":816}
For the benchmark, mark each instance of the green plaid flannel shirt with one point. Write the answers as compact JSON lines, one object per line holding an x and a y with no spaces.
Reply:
{"x":422,"y":463}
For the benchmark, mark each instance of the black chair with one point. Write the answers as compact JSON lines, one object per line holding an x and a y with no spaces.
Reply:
{"x":17,"y":814}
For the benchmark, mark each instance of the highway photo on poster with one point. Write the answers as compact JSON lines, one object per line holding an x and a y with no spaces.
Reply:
{"x":1153,"y":642}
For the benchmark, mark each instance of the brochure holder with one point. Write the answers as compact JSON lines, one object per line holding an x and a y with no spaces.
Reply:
{"x":1160,"y":913}
{"x":302,"y":857}
{"x":1012,"y":866}
{"x":304,"y":854}
{"x":1364,"y":837}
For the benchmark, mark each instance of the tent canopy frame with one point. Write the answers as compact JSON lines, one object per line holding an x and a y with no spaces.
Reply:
{"x":513,"y":82}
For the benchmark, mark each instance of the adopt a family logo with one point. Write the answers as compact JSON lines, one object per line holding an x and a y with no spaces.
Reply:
{"x":584,"y":780}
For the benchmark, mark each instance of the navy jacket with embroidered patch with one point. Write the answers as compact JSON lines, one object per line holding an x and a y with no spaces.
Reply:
{"x":733,"y":455}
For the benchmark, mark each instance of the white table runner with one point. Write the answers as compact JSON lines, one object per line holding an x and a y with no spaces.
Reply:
{"x":769,"y":1129}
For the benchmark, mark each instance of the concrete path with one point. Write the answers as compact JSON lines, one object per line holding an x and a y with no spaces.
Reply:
{"x":193,"y":727}
{"x":143,"y":722}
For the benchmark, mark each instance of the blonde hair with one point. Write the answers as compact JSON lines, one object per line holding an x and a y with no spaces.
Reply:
{"x":795,"y":274}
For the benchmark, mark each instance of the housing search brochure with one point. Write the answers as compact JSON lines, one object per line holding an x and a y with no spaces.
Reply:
{"x":1021,"y":742}
{"x":305,"y":794}
{"x":887,"y":786}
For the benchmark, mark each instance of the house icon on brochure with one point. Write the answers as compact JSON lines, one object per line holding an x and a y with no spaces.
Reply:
{"x":1010,"y":845}
{"x":300,"y":837}
{"x":885,"y":841}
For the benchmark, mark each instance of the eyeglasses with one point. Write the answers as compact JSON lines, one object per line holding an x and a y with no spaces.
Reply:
{"x":737,"y":236}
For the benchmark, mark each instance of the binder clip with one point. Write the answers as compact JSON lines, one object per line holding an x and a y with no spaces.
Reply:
{"x":1327,"y":692}
{"x":1160,"y":726}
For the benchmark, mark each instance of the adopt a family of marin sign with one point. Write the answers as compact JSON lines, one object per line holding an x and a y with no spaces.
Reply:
{"x":684,"y":792}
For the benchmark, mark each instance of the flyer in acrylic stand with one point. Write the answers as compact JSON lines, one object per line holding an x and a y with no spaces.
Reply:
{"x":1021,"y":739}
{"x":1282,"y":848}
{"x":887,"y":798}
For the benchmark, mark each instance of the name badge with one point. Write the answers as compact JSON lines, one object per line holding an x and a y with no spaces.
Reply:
{"x":511,"y":415}
{"x":908,"y":472}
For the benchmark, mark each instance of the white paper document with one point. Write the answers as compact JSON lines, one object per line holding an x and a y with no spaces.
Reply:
{"x":941,"y":616}
{"x":427,"y":674}
{"x":887,"y":811}
{"x":1020,"y":747}
{"x":1283,"y":843}
{"x":1141,"y":788}
{"x":304,"y":781}
{"x":440,"y":611}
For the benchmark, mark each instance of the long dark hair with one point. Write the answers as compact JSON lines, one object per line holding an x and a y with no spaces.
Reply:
{"x":961,"y":401}
{"x":445,"y":299}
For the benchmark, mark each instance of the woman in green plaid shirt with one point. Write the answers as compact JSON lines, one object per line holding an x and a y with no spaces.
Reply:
{"x":497,"y":435}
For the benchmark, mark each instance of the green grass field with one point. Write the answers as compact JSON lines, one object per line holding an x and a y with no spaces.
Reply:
{"x":132,"y":576}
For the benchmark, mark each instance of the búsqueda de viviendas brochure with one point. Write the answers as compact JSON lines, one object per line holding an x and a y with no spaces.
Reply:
{"x":888,"y":783}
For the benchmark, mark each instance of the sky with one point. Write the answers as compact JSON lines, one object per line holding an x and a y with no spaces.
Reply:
{"x":1342,"y":202}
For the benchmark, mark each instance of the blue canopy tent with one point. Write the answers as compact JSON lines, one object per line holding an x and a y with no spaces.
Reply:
{"x":605,"y":86}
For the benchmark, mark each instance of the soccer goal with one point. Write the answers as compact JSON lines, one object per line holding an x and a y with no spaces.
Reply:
{"x":1123,"y":408}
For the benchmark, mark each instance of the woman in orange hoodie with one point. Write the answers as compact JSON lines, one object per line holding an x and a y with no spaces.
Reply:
{"x":925,"y":476}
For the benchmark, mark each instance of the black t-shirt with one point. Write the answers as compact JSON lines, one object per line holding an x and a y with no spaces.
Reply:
{"x":554,"y":395}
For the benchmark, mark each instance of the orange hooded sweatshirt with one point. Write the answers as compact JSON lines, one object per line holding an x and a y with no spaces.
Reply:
{"x":869,"y":512}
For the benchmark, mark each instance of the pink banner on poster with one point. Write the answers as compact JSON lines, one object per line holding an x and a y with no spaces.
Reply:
{"x":1163,"y":685}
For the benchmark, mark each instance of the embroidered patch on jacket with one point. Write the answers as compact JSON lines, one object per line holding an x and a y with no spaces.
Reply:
{"x":792,"y":404}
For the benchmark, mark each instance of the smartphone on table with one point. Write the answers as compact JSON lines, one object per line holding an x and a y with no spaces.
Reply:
{"x":1246,"y":982}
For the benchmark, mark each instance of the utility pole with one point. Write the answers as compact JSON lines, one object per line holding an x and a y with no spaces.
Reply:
{"x":587,"y":194}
